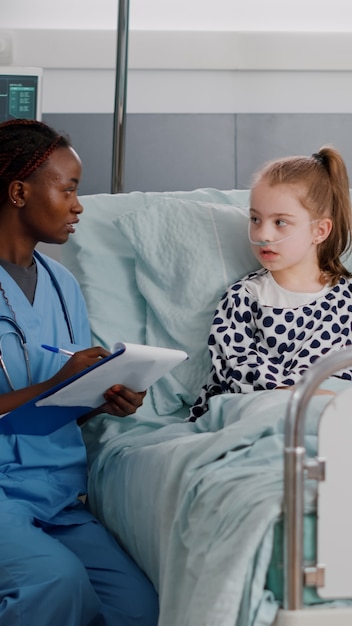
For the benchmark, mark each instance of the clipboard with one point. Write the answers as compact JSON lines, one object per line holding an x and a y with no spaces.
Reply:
{"x":134,"y":365}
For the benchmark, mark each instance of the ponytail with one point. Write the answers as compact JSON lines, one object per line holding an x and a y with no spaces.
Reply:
{"x":323,"y":189}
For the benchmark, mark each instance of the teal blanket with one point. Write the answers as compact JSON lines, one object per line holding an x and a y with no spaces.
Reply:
{"x":195,"y":504}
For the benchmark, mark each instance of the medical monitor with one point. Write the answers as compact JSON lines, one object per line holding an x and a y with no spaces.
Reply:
{"x":20,"y":93}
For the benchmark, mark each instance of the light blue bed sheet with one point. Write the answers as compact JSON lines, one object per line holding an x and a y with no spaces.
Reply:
{"x":196,"y":504}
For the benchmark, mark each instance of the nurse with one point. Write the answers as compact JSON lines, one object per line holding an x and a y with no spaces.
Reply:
{"x":58,"y":565}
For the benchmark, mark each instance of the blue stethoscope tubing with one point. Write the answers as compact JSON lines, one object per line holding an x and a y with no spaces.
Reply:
{"x":20,"y":331}
{"x":58,"y":289}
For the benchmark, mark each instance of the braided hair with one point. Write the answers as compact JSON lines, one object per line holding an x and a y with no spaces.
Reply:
{"x":24,"y":146}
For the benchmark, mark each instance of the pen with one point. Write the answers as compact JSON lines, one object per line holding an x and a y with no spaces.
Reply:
{"x":57,"y":350}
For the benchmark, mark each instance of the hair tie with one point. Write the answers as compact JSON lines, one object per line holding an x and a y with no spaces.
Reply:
{"x":320,"y":158}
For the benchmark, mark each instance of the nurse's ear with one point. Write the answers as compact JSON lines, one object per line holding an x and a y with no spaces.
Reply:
{"x":17,"y":193}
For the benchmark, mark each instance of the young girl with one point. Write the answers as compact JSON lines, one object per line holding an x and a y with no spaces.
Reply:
{"x":271,"y":326}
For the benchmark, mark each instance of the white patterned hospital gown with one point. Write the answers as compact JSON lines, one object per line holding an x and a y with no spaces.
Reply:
{"x":256,"y":347}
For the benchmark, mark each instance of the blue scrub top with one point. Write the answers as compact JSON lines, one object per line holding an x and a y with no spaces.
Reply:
{"x":42,"y":475}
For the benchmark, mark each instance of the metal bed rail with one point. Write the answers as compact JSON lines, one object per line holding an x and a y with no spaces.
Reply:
{"x":296,"y":467}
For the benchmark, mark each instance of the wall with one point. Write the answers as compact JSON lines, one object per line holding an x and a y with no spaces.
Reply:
{"x":212,"y":91}
{"x":204,"y":15}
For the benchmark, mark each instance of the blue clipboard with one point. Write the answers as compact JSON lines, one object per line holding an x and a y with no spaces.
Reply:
{"x":133,"y":365}
{"x":34,"y":418}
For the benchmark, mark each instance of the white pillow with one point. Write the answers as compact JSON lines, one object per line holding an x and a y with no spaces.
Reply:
{"x":102,"y":260}
{"x":186,"y":254}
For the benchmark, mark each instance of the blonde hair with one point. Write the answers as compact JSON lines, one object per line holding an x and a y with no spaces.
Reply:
{"x":322,"y":186}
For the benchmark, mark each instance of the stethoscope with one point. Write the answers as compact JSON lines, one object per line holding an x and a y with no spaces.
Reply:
{"x":19,"y":331}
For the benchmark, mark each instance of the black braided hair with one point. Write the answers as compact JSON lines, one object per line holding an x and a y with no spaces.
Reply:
{"x":24,"y":146}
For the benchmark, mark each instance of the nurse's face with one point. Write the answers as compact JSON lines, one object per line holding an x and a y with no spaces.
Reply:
{"x":50,"y":205}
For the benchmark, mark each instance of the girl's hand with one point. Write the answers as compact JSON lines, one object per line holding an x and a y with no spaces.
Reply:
{"x":317,"y":392}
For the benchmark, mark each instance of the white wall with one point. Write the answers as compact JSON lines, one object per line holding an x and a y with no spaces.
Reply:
{"x":241,"y":14}
{"x":181,"y":14}
{"x":187,"y":56}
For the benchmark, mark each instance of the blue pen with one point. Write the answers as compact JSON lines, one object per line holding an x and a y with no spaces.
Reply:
{"x":57,"y":350}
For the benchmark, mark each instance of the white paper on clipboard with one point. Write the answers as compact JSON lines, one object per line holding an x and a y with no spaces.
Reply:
{"x":137,"y":367}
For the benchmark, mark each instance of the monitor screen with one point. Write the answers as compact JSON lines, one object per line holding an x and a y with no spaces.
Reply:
{"x":20,"y":93}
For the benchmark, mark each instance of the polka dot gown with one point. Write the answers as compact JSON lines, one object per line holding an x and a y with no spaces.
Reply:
{"x":257,"y":347}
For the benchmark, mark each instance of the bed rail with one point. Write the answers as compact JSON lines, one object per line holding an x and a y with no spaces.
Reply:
{"x":296,"y":467}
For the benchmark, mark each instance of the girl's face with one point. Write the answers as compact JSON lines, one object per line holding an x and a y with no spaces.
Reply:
{"x":50,"y":204}
{"x":277,"y":215}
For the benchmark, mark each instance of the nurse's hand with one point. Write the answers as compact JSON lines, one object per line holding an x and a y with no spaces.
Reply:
{"x":77,"y":362}
{"x":121,"y":401}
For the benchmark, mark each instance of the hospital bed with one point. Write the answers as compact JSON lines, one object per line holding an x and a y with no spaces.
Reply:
{"x":243,"y":517}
